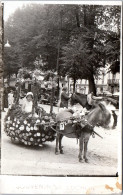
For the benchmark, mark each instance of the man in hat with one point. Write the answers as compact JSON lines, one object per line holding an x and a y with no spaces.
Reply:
{"x":64,"y":98}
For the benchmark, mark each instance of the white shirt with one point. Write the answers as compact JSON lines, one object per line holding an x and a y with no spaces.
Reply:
{"x":89,"y":99}
{"x":27,"y":106}
{"x":10,"y":98}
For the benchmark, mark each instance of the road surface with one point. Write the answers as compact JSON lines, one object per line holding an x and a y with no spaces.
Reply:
{"x":23,"y":160}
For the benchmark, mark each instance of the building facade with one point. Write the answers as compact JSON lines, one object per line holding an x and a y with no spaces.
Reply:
{"x":105,"y":82}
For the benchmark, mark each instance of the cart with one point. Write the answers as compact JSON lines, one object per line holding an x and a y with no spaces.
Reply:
{"x":31,"y":129}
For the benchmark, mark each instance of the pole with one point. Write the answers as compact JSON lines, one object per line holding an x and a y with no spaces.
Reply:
{"x":68,"y":86}
{"x":97,"y":134}
{"x":2,"y":65}
{"x":52,"y":96}
{"x":59,"y":38}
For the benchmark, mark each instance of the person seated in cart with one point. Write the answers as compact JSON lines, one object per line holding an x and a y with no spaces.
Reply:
{"x":27,"y":104}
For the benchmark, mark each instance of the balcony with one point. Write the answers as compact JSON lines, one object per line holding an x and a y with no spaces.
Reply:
{"x":113,"y":81}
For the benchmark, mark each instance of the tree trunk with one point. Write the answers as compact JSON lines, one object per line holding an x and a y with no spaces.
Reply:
{"x":89,"y":18}
{"x":85,"y":17}
{"x":58,"y":89}
{"x":59,"y":45}
{"x":68,"y":86}
{"x":18,"y":94}
{"x":51,"y":102}
{"x":92,"y":87}
{"x":52,"y":96}
{"x":77,"y":16}
{"x":74,"y":85}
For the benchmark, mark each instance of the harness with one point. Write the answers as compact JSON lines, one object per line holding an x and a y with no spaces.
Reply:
{"x":85,"y":126}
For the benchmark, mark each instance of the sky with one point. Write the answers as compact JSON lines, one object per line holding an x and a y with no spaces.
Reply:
{"x":11,"y":6}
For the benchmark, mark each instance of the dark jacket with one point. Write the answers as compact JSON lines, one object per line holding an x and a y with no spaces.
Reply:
{"x":64,"y":100}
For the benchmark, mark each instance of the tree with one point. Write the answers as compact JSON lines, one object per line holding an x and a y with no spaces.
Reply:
{"x":10,"y":61}
{"x":112,"y":52}
{"x":87,"y":51}
{"x":111,"y":41}
{"x":52,"y":77}
{"x":34,"y":30}
{"x":75,"y":40}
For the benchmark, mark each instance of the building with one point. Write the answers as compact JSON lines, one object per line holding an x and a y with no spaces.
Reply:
{"x":105,"y":82}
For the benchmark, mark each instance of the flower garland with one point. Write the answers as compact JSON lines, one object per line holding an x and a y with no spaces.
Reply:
{"x":24,"y":129}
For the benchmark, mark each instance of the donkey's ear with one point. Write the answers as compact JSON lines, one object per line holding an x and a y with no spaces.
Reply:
{"x":102,"y":106}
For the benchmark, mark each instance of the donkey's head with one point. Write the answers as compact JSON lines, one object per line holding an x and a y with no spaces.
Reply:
{"x":101,"y":116}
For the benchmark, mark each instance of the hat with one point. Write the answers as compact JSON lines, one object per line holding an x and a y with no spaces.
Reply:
{"x":29,"y":93}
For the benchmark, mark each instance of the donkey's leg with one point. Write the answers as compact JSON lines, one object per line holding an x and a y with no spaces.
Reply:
{"x":57,"y":142}
{"x":60,"y":144}
{"x":86,"y":139}
{"x":81,"y":142}
{"x":85,"y":151}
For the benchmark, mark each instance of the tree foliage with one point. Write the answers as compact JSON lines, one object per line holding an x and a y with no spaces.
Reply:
{"x":94,"y":44}
{"x":76,"y":40}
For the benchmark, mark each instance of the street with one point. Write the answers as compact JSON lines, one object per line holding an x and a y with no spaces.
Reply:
{"x":102,"y":153}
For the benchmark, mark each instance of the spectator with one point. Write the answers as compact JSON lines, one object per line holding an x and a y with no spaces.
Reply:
{"x":10,"y":99}
{"x":64,"y":98}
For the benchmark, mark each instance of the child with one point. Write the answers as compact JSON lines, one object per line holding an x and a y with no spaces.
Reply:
{"x":28,"y":103}
{"x":10,"y":99}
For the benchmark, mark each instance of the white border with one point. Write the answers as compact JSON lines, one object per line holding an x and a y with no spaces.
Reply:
{"x":70,"y":2}
{"x":57,"y":185}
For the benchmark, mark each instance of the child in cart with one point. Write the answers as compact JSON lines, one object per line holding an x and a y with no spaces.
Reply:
{"x":27,"y":104}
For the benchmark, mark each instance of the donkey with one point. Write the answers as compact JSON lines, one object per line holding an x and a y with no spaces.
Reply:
{"x":81,"y":99}
{"x":99,"y":116}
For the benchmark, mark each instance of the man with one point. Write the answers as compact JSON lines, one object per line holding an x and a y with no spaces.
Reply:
{"x":64,"y":98}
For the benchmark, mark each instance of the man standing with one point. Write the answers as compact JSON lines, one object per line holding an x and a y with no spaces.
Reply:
{"x":64,"y":98}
